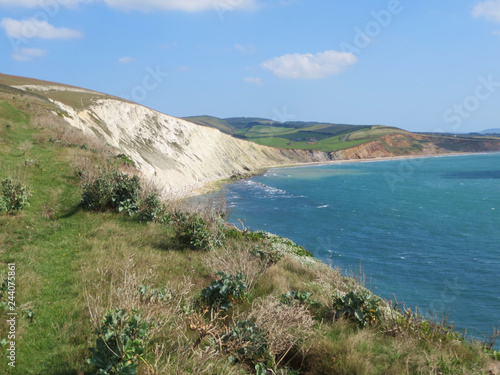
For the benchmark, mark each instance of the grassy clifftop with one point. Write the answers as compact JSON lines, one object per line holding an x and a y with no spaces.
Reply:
{"x":272,"y":308}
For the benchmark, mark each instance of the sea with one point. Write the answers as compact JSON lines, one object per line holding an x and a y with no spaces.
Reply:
{"x":425,"y":231}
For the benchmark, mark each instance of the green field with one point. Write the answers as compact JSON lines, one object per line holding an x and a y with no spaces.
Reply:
{"x":297,"y":135}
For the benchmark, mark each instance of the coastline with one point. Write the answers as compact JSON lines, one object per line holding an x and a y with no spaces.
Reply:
{"x":217,"y":185}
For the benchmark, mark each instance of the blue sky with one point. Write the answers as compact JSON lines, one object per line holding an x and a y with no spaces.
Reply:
{"x":418,"y":65}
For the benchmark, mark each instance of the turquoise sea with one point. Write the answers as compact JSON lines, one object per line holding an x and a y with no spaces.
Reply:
{"x":426,"y":230}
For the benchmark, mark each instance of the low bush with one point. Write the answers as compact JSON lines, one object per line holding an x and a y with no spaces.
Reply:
{"x":223,"y":293}
{"x":360,"y":307}
{"x":153,"y":295}
{"x":121,"y":341}
{"x":124,"y":159}
{"x":296,"y":295}
{"x":193,"y":231}
{"x":153,"y":210}
{"x":247,"y":343}
{"x":268,"y":257}
{"x":14,"y":195}
{"x":112,"y":191}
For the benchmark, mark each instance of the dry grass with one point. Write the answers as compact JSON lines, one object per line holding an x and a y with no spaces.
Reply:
{"x":236,"y":258}
{"x":286,"y":325}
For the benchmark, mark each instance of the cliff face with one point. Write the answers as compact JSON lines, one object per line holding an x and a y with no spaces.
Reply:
{"x":413,"y":145}
{"x":176,"y":154}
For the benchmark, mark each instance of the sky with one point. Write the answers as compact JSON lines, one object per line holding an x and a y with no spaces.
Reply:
{"x":418,"y":65}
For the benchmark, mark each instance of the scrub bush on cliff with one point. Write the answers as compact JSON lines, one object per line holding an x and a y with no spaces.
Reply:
{"x":359,"y":307}
{"x":195,"y":232}
{"x":14,"y":195}
{"x":226,"y":291}
{"x":153,"y":210}
{"x":112,"y":191}
{"x":121,"y":342}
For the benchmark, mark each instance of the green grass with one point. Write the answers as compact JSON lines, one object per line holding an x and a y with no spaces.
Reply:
{"x":328,"y":144}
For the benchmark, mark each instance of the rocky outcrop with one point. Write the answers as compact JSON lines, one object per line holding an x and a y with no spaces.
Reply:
{"x":393,"y":145}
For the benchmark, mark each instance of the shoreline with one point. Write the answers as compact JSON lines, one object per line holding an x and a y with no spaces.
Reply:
{"x":218,"y":185}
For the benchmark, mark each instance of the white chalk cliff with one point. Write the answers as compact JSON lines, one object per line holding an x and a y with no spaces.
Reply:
{"x":178,"y":155}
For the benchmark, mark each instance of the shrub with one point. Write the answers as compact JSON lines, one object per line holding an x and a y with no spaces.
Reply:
{"x":14,"y":195}
{"x":360,"y":307}
{"x":223,"y":293}
{"x":121,"y":341}
{"x":234,"y":233}
{"x":296,"y":295}
{"x":153,"y":210}
{"x":151,"y":295}
{"x":268,"y":257}
{"x":245,"y":342}
{"x":112,"y":191}
{"x":194,"y":232}
{"x":124,"y":159}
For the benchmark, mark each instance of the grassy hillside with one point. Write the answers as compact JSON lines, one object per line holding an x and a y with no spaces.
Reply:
{"x":297,"y":135}
{"x":74,"y":267}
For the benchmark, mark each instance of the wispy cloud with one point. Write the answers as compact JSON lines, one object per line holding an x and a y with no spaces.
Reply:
{"x":253,"y":80}
{"x":182,"y":5}
{"x":32,"y":28}
{"x":126,"y":60}
{"x":147,"y":5}
{"x":28,"y":54}
{"x":488,"y":9}
{"x":246,"y":50}
{"x":309,"y":66}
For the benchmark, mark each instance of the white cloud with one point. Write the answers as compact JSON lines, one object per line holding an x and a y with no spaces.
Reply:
{"x":143,"y":5}
{"x":309,"y":66}
{"x":32,"y":28}
{"x":488,"y":9}
{"x":28,"y":54}
{"x":44,"y":5}
{"x":183,"y":5}
{"x":126,"y":60}
{"x":253,"y":80}
{"x":246,"y":50}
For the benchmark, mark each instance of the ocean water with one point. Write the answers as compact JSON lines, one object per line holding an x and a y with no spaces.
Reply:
{"x":425,"y":230}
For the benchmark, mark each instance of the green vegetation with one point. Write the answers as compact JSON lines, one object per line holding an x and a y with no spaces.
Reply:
{"x":14,"y":195}
{"x":297,"y":135}
{"x":360,"y":307}
{"x":97,"y":291}
{"x":120,"y":343}
{"x":226,"y":291}
{"x":112,"y":191}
